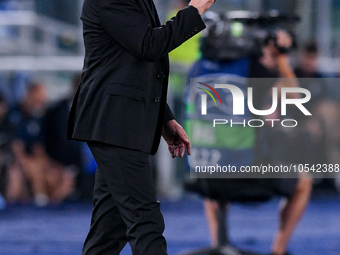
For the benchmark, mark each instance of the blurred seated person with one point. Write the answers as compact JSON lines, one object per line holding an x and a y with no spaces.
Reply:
{"x":32,"y":177}
{"x":272,"y":63}
{"x":66,"y":155}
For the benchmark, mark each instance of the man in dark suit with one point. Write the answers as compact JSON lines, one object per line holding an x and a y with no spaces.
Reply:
{"x":120,"y":110}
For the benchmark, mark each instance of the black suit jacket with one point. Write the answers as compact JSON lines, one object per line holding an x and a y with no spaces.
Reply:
{"x":122,"y":96}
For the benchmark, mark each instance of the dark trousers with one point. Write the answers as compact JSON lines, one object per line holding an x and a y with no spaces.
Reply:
{"x":125,"y":204}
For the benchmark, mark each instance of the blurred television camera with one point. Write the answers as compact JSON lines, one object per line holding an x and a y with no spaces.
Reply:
{"x":239,"y":34}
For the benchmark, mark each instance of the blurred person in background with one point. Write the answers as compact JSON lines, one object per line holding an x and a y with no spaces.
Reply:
{"x":310,"y":137}
{"x":311,"y":77}
{"x":272,"y":63}
{"x":296,"y":192}
{"x":65,"y":155}
{"x":31,"y":176}
{"x":320,"y":133}
{"x":27,"y":176}
{"x":307,"y":62}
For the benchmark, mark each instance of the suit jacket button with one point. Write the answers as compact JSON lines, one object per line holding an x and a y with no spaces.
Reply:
{"x":160,"y":75}
{"x":196,"y":29}
{"x":157,"y":99}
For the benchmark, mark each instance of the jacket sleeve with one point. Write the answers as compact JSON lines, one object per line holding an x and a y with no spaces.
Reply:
{"x":168,"y":115}
{"x":125,"y":22}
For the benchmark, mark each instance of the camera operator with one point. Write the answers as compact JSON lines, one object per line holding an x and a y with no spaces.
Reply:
{"x":272,"y":62}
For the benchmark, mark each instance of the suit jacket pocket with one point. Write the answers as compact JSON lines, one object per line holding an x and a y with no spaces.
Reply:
{"x":124,"y":91}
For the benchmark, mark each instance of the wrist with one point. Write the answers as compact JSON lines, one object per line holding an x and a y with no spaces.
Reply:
{"x":168,"y":122}
{"x":279,"y":55}
{"x":282,"y":60}
{"x":197,"y":9}
{"x":284,"y":66}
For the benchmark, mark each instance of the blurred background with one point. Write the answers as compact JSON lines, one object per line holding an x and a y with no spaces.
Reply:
{"x":46,"y":181}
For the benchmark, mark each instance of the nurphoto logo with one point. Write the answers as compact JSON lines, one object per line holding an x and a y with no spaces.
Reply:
{"x":240,"y":100}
